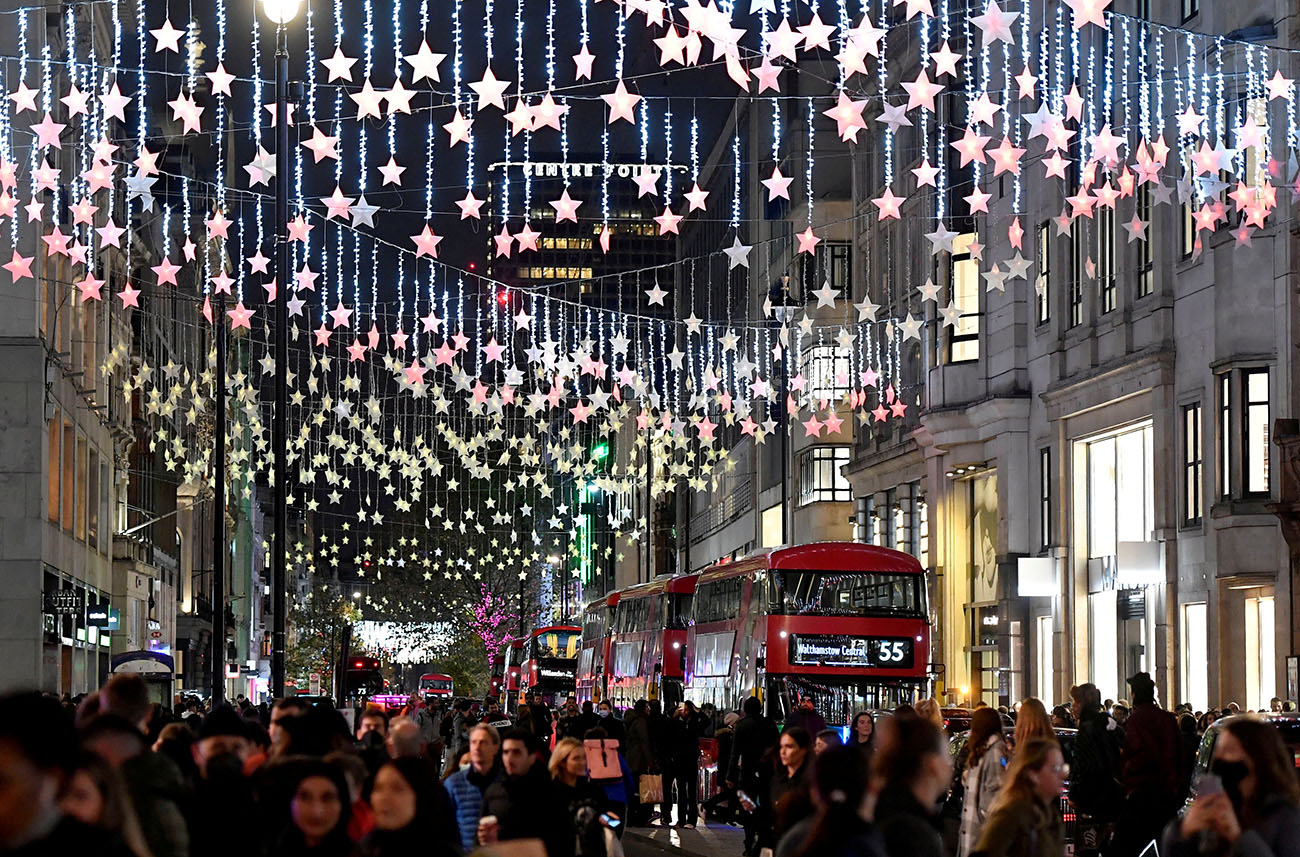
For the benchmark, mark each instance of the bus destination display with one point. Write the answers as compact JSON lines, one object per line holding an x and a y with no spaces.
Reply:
{"x":841,"y":650}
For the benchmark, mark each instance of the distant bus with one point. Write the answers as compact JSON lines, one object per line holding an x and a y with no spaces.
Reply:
{"x":436,"y":685}
{"x":594,"y":652}
{"x":362,"y":677}
{"x":646,"y":648}
{"x":550,"y":663}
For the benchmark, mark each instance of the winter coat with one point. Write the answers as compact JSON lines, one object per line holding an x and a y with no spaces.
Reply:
{"x":906,"y":826}
{"x":466,"y":788}
{"x":1151,"y":760}
{"x":683,"y":744}
{"x":527,"y":807}
{"x":754,"y":737}
{"x":859,"y":839}
{"x":810,"y":720}
{"x":157,"y":792}
{"x":1276,"y":835}
{"x":640,"y":757}
{"x":981,"y":784}
{"x":1023,"y":829}
{"x":1094,"y":783}
{"x":789,"y":798}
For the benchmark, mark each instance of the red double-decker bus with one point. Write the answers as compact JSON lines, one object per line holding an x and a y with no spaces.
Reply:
{"x":845,"y":624}
{"x":514,"y":657}
{"x":594,"y":651}
{"x":647,"y":641}
{"x":550,"y":663}
{"x":436,"y":686}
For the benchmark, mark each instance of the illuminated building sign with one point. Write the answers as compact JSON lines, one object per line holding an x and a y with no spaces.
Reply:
{"x":551,"y":169}
{"x":840,"y":650}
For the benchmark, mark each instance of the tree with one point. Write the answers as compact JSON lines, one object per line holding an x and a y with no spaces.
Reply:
{"x":316,"y":631}
{"x":492,"y":621}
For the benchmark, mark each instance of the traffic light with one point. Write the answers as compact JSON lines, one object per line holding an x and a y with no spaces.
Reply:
{"x":600,"y":451}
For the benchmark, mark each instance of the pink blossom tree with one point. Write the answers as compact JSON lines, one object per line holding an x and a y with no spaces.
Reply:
{"x":491,"y":621}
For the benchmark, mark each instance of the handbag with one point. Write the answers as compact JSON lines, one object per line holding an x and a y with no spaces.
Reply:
{"x":651,"y":788}
{"x":602,"y":759}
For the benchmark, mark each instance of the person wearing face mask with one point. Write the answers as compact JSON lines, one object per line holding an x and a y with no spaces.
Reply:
{"x":412,"y":813}
{"x":319,"y":811}
{"x":912,"y":759}
{"x":1023,"y":821}
{"x":1251,"y":805}
{"x":611,"y":724}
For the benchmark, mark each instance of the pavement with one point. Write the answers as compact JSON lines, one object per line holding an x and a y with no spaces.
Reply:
{"x":707,"y":840}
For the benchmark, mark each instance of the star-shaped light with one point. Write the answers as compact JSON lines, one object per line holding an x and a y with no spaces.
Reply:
{"x":566,"y":208}
{"x":424,"y":64}
{"x":490,"y":91}
{"x":656,"y":295}
{"x":75,"y":101}
{"x":826,"y":295}
{"x":392,"y":171}
{"x":167,"y":38}
{"x":647,"y":182}
{"x":1278,"y":86}
{"x":337,"y":205}
{"x":995,"y":23}
{"x":426,"y":243}
{"x":24,"y":97}
{"x":527,"y":238}
{"x":341,"y":316}
{"x":767,"y":75}
{"x":369,"y":101}
{"x":807,"y":241}
{"x":668,"y":221}
{"x":458,"y":128}
{"x":47,"y":133}
{"x":888,"y":204}
{"x":582,"y":61}
{"x":782,"y":42}
{"x":19,"y":267}
{"x":621,"y":103}
{"x":737,"y":254}
{"x":130,"y":296}
{"x":469,"y":206}
{"x":696,"y":197}
{"x":220,"y":79}
{"x":240,"y":316}
{"x":921,"y":92}
{"x":340,"y":66}
{"x":1088,"y":12}
{"x":1189,"y":121}
{"x":925,"y":174}
{"x":399,"y":98}
{"x":777,"y":185}
{"x":322,"y":145}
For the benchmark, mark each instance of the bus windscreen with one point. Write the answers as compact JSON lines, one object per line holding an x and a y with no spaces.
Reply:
{"x":838,"y":593}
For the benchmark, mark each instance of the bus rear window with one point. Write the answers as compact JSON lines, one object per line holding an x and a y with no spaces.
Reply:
{"x":833,"y":593}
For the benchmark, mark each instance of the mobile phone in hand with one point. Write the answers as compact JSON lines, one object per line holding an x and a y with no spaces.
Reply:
{"x":1209,"y":784}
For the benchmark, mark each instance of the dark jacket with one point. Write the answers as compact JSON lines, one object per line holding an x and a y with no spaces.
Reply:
{"x":217,"y":800}
{"x":527,"y":807}
{"x":755,"y":736}
{"x":1276,"y":835}
{"x":906,"y":827}
{"x":69,"y":836}
{"x":1151,"y":759}
{"x":789,"y":797}
{"x":659,"y":728}
{"x":157,"y":793}
{"x":1022,"y":829}
{"x":291,"y":844}
{"x":1094,"y":774}
{"x":684,"y":743}
{"x":410,"y":840}
{"x":640,"y":757}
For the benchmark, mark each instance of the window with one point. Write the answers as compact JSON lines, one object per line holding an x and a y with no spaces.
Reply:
{"x":1225,"y":435}
{"x":1045,"y":498}
{"x":821,"y":479}
{"x":826,"y":369}
{"x":830,"y":263}
{"x":1042,"y":248}
{"x":718,"y":600}
{"x":79,"y":529}
{"x":1046,"y":680}
{"x":92,"y":500}
{"x":923,"y":532}
{"x":964,"y":338}
{"x":1261,"y":680}
{"x":69,"y":471}
{"x":1187,"y":236}
{"x":1255,"y":170}
{"x":55,"y":472}
{"x":1192,"y":477}
{"x":1255,"y":431}
{"x":829,"y":593}
{"x":772,"y":525}
{"x":1106,"y":258}
{"x":1079,"y":247}
{"x":1142,"y":10}
{"x":1146,"y":282}
{"x":1191,"y":8}
{"x":1196,"y":654}
{"x":1121,"y":490}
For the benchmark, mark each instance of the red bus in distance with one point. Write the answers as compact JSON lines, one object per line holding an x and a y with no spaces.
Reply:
{"x":647,"y":641}
{"x":550,"y":663}
{"x":436,"y":686}
{"x":594,"y":652}
{"x":842,"y":623}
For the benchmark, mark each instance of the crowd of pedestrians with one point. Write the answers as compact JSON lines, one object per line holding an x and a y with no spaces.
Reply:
{"x":116,"y":774}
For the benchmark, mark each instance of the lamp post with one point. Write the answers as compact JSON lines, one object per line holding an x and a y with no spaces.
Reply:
{"x":281,"y":12}
{"x":219,"y":546}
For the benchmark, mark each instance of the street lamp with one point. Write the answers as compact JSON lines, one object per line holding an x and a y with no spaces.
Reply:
{"x":281,"y":12}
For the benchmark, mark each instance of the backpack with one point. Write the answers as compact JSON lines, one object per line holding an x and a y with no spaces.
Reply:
{"x":602,"y":759}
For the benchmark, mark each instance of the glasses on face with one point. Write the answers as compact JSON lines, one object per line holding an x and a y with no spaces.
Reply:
{"x":1062,"y":769}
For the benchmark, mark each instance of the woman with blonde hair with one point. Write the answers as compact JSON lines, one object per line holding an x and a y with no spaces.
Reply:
{"x":583,"y":801}
{"x":930,"y":710}
{"x":1032,"y":723}
{"x":1023,"y":821}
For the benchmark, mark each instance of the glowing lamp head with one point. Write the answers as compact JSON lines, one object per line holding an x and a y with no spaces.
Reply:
{"x":281,"y":11}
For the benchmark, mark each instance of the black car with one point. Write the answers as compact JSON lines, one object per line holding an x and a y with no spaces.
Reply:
{"x":1287,"y":725}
